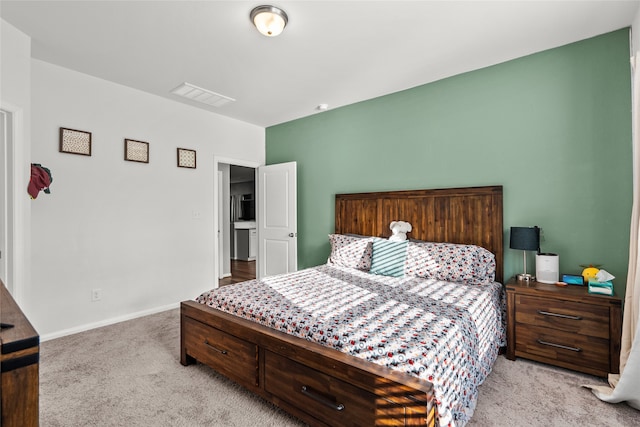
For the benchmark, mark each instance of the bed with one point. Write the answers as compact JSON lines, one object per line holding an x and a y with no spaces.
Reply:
{"x":342,"y":346}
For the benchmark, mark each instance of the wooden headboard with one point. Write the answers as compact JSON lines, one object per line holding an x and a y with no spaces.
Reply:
{"x":471,"y":215}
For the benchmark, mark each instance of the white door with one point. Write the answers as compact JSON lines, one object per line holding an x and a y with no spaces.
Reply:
{"x":277,"y":219}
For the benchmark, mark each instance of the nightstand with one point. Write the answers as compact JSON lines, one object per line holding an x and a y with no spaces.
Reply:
{"x":564,"y":326}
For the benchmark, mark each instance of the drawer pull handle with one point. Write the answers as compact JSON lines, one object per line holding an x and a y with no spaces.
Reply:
{"x":206,"y":342}
{"x":564,"y":316}
{"x":318,"y":398}
{"x":565,"y":347}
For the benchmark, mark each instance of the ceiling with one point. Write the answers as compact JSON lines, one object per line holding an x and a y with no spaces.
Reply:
{"x":331,"y":52}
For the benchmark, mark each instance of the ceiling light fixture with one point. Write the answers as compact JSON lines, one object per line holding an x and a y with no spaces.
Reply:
{"x":269,"y":20}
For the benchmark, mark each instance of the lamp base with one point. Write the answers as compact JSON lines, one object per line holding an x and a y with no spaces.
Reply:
{"x":525,"y":278}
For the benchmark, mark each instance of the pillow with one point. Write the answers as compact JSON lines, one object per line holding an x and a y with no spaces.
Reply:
{"x":450,"y":262}
{"x":388,"y":258}
{"x":485,"y":269}
{"x":350,"y":251}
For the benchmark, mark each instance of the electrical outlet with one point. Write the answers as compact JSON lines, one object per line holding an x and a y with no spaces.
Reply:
{"x":96,"y":295}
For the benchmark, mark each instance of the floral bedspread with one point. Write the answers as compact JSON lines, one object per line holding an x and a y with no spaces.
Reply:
{"x":446,"y":333}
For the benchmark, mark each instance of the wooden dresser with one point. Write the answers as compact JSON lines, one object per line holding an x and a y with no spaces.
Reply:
{"x":564,"y":326}
{"x":20,"y":351}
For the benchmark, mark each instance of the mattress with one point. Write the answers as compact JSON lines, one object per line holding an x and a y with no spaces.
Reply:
{"x":446,"y":333}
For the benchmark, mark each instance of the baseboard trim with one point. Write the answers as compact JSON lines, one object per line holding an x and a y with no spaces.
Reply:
{"x":107,"y":322}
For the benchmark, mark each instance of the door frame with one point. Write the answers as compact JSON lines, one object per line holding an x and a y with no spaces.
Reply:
{"x":6,"y":122}
{"x":216,"y":162}
{"x":17,"y":207}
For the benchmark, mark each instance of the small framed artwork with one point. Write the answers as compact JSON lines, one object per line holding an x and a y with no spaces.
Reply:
{"x":186,"y":158}
{"x":75,"y":141}
{"x":136,"y":151}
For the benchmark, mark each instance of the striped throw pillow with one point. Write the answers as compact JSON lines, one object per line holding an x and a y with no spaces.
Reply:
{"x":388,"y":258}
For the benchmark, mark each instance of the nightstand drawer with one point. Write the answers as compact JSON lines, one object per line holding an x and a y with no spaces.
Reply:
{"x":574,"y":317}
{"x":562,"y":348}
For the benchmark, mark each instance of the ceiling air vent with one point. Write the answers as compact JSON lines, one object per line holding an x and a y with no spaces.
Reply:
{"x":195,"y":93}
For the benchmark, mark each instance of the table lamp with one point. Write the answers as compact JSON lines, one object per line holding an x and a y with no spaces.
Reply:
{"x":525,"y":239}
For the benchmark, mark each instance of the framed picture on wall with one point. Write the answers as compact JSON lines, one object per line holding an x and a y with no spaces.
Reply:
{"x":75,"y":141}
{"x":136,"y":151}
{"x":186,"y":158}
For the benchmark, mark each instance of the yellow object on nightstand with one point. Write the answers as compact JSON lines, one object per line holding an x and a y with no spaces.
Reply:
{"x":589,"y":273}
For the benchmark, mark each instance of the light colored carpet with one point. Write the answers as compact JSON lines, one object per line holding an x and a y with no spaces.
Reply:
{"x":129,"y":374}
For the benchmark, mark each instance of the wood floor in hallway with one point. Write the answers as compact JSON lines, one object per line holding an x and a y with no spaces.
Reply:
{"x":240,"y":271}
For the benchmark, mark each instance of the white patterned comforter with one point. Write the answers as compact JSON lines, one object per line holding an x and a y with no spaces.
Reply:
{"x":446,"y":333}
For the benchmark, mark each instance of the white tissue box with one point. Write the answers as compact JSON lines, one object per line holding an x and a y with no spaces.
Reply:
{"x":600,"y":288}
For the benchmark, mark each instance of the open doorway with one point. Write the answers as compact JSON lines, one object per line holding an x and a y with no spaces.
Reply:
{"x":237,"y":228}
{"x":243,"y":232}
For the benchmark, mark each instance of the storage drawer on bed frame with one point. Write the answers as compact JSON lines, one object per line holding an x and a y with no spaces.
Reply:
{"x":229,"y":355}
{"x":330,"y":400}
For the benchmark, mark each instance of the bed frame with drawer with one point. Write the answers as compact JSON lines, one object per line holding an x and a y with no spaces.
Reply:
{"x":323,"y":386}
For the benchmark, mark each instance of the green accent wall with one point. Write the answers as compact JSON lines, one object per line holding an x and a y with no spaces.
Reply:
{"x":553,"y":128}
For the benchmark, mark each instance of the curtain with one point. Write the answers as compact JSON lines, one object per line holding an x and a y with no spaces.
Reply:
{"x":236,"y":207}
{"x":626,"y":385}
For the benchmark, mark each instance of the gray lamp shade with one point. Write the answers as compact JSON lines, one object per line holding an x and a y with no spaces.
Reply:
{"x":525,"y":238}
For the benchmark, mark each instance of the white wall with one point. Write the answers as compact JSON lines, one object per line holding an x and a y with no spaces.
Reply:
{"x":15,"y":66}
{"x":635,"y":32}
{"x":15,"y":96}
{"x":143,"y":233}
